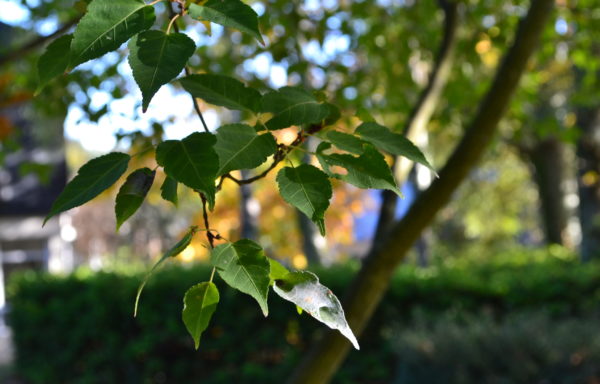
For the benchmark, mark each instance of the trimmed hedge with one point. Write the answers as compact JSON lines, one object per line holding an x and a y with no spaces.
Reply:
{"x":80,"y":328}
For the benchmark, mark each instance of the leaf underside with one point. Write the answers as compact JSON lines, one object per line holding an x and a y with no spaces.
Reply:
{"x":303,"y":289}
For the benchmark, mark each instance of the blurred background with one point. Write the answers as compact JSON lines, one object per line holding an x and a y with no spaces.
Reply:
{"x":503,"y":287}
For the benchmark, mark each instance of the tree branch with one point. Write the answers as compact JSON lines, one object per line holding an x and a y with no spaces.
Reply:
{"x":371,"y":283}
{"x":36,"y":43}
{"x":421,"y":114}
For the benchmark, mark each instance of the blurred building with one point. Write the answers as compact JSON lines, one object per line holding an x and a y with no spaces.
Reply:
{"x":32,"y":174}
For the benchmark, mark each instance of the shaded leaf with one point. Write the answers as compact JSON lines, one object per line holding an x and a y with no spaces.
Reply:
{"x":191,"y":161}
{"x":244,"y":266}
{"x":168,"y":190}
{"x":172,"y":252}
{"x":292,"y":106}
{"x":303,"y":289}
{"x":106,"y":25}
{"x":240,"y":147}
{"x":369,"y":170}
{"x":157,"y":58}
{"x":223,"y":91}
{"x":54,"y":61}
{"x":308,"y":189}
{"x":231,"y":13}
{"x":346,"y":142}
{"x":132,"y":194}
{"x":391,"y":142}
{"x":93,"y":178}
{"x":199,"y":304}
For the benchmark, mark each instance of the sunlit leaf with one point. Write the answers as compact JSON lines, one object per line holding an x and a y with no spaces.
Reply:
{"x":303,"y":289}
{"x":244,"y":266}
{"x":93,"y":178}
{"x":199,"y":304}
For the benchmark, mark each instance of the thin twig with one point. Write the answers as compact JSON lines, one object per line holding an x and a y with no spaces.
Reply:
{"x":187,"y":73}
{"x":36,"y":42}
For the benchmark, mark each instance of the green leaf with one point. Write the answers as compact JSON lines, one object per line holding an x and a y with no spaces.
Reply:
{"x":244,"y":266}
{"x":172,"y":252}
{"x":106,"y":25}
{"x":369,"y":170}
{"x":240,"y":147}
{"x":391,"y":142}
{"x":292,"y":106}
{"x":54,"y":61}
{"x":132,"y":194}
{"x":346,"y":142}
{"x":333,"y":115}
{"x":157,"y":58}
{"x":223,"y":91}
{"x":168,"y":190}
{"x":278,"y":271}
{"x":93,"y":178}
{"x":191,"y":161}
{"x":308,"y":189}
{"x":303,"y":289}
{"x":231,"y":13}
{"x":199,"y":304}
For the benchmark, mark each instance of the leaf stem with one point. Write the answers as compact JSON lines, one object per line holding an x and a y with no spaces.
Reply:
{"x":154,"y":3}
{"x":212,"y":275}
{"x":209,"y":235}
{"x":172,"y":22}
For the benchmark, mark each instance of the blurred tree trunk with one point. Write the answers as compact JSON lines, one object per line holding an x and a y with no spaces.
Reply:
{"x":588,"y":181}
{"x":421,"y":114}
{"x":366,"y":291}
{"x":249,"y":211}
{"x":547,"y":159}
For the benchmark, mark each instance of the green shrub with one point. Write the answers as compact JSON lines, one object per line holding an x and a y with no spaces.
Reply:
{"x":80,"y":328}
{"x":528,"y":347}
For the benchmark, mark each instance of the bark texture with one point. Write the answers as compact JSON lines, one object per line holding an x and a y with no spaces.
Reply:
{"x":371,"y":283}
